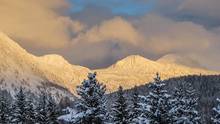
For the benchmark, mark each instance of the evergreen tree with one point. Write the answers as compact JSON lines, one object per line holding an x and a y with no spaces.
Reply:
{"x":177,"y":104}
{"x":53,"y":111}
{"x":184,"y":104}
{"x":91,"y":105}
{"x":19,"y":108}
{"x":216,"y":118}
{"x":4,"y":110}
{"x":42,"y":116}
{"x":145,"y":108}
{"x":135,"y":108}
{"x":47,"y":110}
{"x":120,"y":109}
{"x":30,"y":112}
{"x":157,"y":103}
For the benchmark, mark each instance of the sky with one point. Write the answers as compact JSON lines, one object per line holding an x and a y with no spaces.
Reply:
{"x":97,"y":33}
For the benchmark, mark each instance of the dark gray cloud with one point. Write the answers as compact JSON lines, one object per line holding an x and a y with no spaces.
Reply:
{"x":92,"y":15}
{"x":204,"y":12}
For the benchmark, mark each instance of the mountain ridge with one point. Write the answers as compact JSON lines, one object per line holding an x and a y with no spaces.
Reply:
{"x":180,"y":59}
{"x":131,"y":61}
{"x":17,"y":66}
{"x":143,"y":73}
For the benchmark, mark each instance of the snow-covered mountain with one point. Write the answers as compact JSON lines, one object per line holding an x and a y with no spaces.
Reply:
{"x":20,"y":68}
{"x":137,"y":70}
{"x":180,"y":59}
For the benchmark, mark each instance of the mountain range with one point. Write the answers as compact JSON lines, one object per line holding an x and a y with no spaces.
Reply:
{"x":18,"y":68}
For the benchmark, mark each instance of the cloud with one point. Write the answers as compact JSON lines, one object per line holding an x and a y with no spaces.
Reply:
{"x":151,"y":36}
{"x":99,"y":54}
{"x":204,"y":12}
{"x":38,"y":23}
{"x":165,"y":35}
{"x":201,"y":7}
{"x":148,"y":33}
{"x":116,"y":29}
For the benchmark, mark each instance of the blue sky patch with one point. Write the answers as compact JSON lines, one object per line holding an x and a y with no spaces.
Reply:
{"x":117,"y":7}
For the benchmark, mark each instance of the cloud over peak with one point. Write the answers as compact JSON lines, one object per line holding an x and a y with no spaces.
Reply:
{"x":116,"y":29}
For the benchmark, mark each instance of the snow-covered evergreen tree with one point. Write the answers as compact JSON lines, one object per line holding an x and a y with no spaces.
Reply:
{"x":144,"y":109}
{"x":53,"y":111}
{"x":91,"y":105}
{"x":177,"y":104}
{"x":42,"y":116}
{"x":216,"y":117}
{"x":120,"y":114}
{"x":47,"y":111}
{"x":135,"y":108}
{"x":19,"y":108}
{"x":184,"y":105}
{"x":157,"y":103}
{"x":5,"y":109}
{"x":30,"y":112}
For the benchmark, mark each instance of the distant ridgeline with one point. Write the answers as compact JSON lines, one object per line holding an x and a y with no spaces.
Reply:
{"x":207,"y":89}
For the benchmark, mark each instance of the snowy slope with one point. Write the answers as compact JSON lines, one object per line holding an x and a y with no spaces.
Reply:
{"x":137,"y":70}
{"x":181,"y":60}
{"x":19,"y":68}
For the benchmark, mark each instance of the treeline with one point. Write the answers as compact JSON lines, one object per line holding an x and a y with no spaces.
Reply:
{"x":207,"y":89}
{"x":185,"y":100}
{"x":179,"y":105}
{"x":24,"y":109}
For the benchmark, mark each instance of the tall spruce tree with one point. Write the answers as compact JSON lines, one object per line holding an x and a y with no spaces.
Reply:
{"x":177,"y":104}
{"x":184,"y":105}
{"x":5,"y":109}
{"x":157,"y":103}
{"x":135,"y":108}
{"x":53,"y":111}
{"x":216,"y":117}
{"x":92,"y":102}
{"x":20,"y":108}
{"x":120,"y":113}
{"x":30,"y":112}
{"x":42,"y":116}
{"x":47,"y":109}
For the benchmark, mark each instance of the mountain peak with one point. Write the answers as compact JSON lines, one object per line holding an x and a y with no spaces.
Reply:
{"x":54,"y":59}
{"x":132,"y":61}
{"x":5,"y":40}
{"x":7,"y":44}
{"x":134,"y":58}
{"x":3,"y":35}
{"x":180,"y":60}
{"x":170,"y":58}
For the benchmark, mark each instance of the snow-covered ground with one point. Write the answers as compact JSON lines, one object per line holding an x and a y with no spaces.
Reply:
{"x":70,"y":116}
